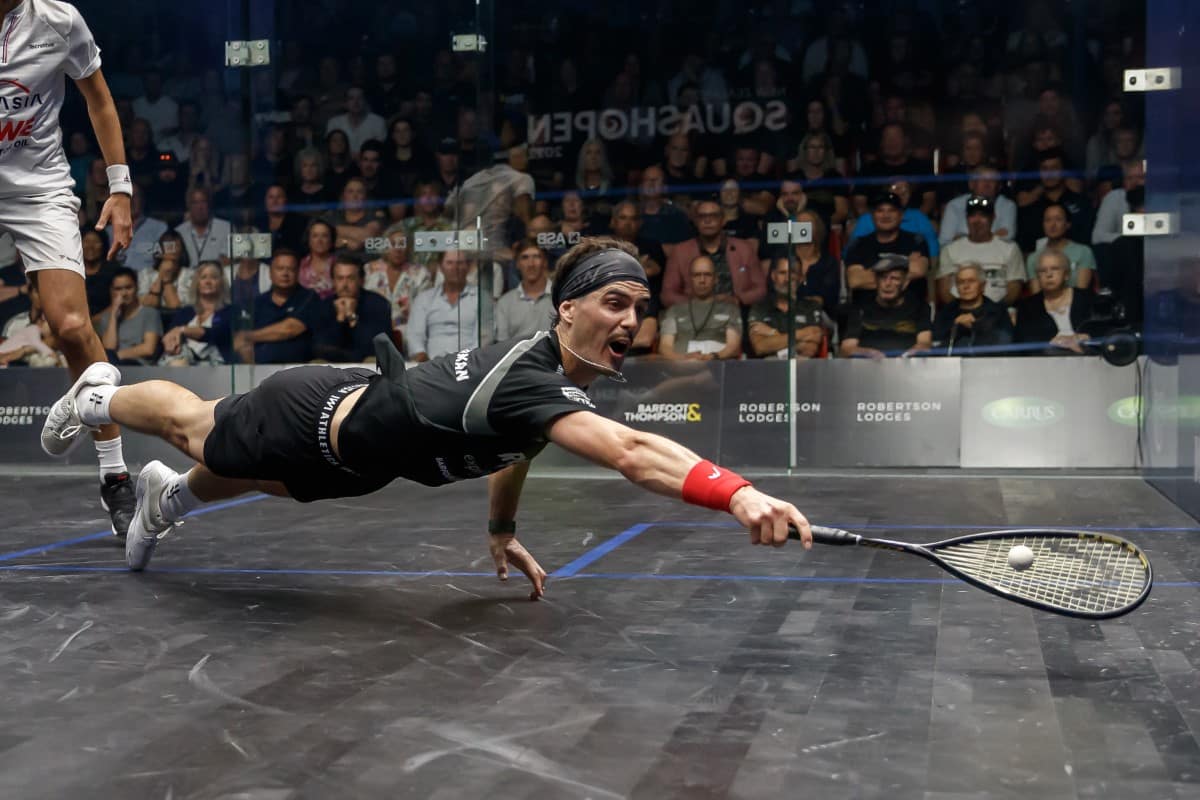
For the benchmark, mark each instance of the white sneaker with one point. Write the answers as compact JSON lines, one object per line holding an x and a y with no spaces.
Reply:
{"x":62,"y":429}
{"x":148,"y":525}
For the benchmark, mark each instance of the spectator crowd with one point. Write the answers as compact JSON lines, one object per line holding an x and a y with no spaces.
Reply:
{"x":963,"y":186}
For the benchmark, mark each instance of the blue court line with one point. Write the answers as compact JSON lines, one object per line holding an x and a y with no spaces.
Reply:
{"x":33,"y":551}
{"x":573,"y":568}
{"x":624,"y":576}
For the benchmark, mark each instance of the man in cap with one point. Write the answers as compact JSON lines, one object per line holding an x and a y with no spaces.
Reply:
{"x":892,"y":322}
{"x":885,"y":241}
{"x":1001,"y":262}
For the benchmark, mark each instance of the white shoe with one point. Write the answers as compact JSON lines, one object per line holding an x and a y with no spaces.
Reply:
{"x":148,"y":525}
{"x":62,"y":429}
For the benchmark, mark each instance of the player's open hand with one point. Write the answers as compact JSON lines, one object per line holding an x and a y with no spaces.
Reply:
{"x":507,"y":551}
{"x":767,"y":519}
{"x":116,"y":210}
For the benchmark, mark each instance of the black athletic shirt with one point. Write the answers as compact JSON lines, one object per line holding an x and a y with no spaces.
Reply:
{"x":461,"y":415}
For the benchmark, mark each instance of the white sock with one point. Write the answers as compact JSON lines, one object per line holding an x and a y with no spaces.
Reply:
{"x":92,"y":405}
{"x":112,"y":460}
{"x":177,"y":498}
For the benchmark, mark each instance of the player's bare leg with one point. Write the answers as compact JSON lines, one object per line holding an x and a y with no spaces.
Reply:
{"x":64,"y":302}
{"x":182,"y":419}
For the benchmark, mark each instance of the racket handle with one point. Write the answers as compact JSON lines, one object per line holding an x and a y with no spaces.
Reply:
{"x":823,"y":535}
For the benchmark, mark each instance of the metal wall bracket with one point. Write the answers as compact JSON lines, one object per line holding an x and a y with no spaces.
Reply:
{"x":254,"y":53}
{"x":443,"y":241}
{"x":250,"y":245}
{"x":468,"y":43}
{"x":790,"y":232}
{"x":1153,"y":80}
{"x":1159,"y":224}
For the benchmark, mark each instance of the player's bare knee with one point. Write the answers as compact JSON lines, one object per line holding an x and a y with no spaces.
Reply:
{"x":74,"y":330}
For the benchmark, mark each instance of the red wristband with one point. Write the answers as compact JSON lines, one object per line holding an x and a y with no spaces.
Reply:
{"x":711,"y":486}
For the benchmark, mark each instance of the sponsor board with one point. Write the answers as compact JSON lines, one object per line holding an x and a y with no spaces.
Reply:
{"x":1024,"y":412}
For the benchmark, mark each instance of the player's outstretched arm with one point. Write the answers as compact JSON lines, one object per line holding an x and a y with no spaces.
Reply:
{"x":668,"y":468}
{"x":103,"y":113}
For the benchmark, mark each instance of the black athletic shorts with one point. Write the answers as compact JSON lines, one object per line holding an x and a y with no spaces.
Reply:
{"x":279,"y":431}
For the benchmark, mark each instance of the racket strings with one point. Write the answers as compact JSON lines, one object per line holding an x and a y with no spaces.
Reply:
{"x":1077,"y":573}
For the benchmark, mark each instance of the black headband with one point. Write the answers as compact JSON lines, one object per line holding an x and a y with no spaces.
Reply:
{"x":598,"y":269}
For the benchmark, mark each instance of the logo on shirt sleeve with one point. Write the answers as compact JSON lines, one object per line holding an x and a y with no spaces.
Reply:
{"x":578,"y":396}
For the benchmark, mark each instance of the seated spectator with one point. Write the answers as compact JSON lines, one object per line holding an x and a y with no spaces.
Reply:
{"x":739,"y":278}
{"x":129,"y":331}
{"x":406,"y":157}
{"x":769,"y":319}
{"x":1115,"y":205}
{"x":352,"y":318}
{"x":682,"y":172}
{"x":202,"y":331}
{"x":886,"y":240}
{"x":1046,"y":138}
{"x":1056,"y":224}
{"x":791,"y":201}
{"x":286,"y":227}
{"x":1000,"y":261}
{"x":626,"y":225}
{"x":445,"y":319}
{"x":984,"y":182}
{"x":316,"y":268}
{"x":447,"y":172}
{"x":240,"y":197}
{"x":973,"y":157}
{"x":339,"y":161}
{"x":379,"y":192}
{"x":572,"y":221}
{"x":206,"y":238}
{"x":160,"y":112}
{"x":353,"y":221}
{"x":739,"y":223}
{"x":204,"y":169}
{"x":164,"y":287}
{"x":912,"y":220}
{"x":312,"y":192}
{"x":147,"y":232}
{"x":1051,"y":188}
{"x":1057,"y":315}
{"x":892,"y":322}
{"x":141,"y":154}
{"x":971,"y":319}
{"x":395,"y":278}
{"x":827,"y":190}
{"x":15,"y":293}
{"x":593,"y":170}
{"x":820,"y":273}
{"x":247,"y":279}
{"x":527,"y":309}
{"x":98,"y":272}
{"x":1126,"y":151}
{"x":358,"y":123}
{"x":284,"y":318}
{"x":702,"y":327}
{"x":427,"y":216}
{"x":751,"y":171}
{"x":27,"y":338}
{"x":895,"y":159}
{"x":662,"y":221}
